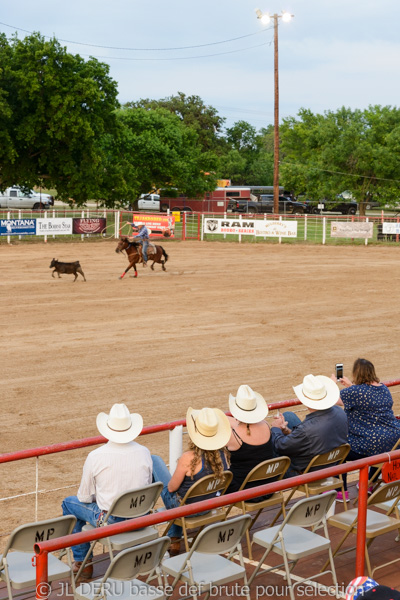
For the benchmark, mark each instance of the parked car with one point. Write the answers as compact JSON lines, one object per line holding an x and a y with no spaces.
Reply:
{"x":266,"y":205}
{"x":15,"y":198}
{"x":338,"y":205}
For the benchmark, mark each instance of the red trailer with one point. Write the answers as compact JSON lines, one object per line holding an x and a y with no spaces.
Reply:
{"x":213,"y":202}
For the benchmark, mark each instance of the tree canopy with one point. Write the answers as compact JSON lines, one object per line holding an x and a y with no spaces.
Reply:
{"x":55,"y":110}
{"x":355,"y":150}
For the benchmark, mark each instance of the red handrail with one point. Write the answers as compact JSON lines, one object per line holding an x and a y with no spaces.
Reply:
{"x":43,"y":548}
{"x":95,"y":441}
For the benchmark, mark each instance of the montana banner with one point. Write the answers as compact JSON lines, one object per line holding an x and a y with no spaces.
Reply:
{"x":17,"y":226}
{"x":56,"y":226}
{"x":158,"y":225}
{"x":352,"y":229}
{"x":88,"y":225}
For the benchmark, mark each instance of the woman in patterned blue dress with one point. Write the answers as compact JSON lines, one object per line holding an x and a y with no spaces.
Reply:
{"x":373,"y":427}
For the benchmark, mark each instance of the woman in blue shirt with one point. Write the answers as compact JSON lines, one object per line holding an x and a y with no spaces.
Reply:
{"x":373,"y":427}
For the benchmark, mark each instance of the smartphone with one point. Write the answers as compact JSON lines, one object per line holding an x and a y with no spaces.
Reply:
{"x":339,"y":371}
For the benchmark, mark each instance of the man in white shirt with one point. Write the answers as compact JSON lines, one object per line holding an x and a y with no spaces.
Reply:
{"x":114,"y":468}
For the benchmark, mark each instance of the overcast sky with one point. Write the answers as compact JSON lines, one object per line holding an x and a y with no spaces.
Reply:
{"x":333,"y":53}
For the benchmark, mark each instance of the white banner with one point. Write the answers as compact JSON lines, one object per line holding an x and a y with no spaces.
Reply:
{"x":243,"y":226}
{"x":348,"y":229}
{"x":393,"y":228}
{"x":276,"y":228}
{"x":54,"y":226}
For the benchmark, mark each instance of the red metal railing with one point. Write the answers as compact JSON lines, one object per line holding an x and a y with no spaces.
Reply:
{"x":43,"y":548}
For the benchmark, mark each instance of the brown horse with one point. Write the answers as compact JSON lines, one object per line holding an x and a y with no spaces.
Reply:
{"x":134,"y":252}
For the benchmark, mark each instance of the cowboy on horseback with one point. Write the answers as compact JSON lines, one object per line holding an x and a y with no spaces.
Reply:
{"x":143,"y":238}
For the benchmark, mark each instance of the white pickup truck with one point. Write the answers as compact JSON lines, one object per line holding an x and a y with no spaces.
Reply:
{"x":15,"y":199}
{"x":149,"y":202}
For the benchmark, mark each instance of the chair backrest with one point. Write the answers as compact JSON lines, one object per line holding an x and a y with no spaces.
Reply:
{"x":135,"y":503}
{"x":141,"y":559}
{"x":210,"y":484}
{"x":310,"y":511}
{"x":221,"y":537}
{"x":268,"y":469}
{"x":336,"y":456}
{"x":25,"y":536}
{"x":387,"y":492}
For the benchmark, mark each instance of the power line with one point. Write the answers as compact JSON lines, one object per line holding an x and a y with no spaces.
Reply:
{"x":143,"y":49}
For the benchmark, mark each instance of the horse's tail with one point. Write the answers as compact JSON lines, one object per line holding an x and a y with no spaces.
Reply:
{"x":164,"y":254}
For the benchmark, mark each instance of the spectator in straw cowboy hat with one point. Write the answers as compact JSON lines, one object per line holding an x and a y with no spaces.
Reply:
{"x":324,"y":428}
{"x":110,"y":470}
{"x":209,"y":432}
{"x":251,"y":439}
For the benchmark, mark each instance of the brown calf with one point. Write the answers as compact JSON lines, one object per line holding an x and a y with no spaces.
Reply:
{"x":66,"y":267}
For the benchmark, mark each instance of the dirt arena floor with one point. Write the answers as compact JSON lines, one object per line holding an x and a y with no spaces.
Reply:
{"x":222,"y":315}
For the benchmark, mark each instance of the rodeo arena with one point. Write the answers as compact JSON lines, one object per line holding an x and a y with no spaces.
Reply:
{"x":128,"y":391}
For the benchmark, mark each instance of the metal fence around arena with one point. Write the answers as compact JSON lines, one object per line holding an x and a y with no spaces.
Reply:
{"x":311,"y":229}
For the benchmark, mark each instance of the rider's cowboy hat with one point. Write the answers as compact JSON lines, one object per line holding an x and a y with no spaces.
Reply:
{"x":119,"y":426}
{"x":318,"y":392}
{"x":208,"y":428}
{"x":248,"y":406}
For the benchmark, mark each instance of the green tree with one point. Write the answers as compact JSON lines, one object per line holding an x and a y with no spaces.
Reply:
{"x":323,"y":155}
{"x":56,"y":109}
{"x":192,"y":111}
{"x":155,"y":149}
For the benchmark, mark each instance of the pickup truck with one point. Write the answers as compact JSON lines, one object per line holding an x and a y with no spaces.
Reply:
{"x":14,"y":198}
{"x":266,"y":205}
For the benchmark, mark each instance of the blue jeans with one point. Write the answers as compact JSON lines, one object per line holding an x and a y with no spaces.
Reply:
{"x":145,"y":244}
{"x":85,"y":512}
{"x":170,"y":499}
{"x":293,"y":421}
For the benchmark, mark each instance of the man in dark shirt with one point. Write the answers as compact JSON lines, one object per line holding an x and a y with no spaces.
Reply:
{"x":324,"y":428}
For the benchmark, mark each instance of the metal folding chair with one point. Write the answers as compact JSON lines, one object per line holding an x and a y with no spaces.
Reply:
{"x":274,"y":468}
{"x":120,"y":580}
{"x":377,"y":523}
{"x":332,"y":457}
{"x":203,"y":487}
{"x":203,"y":567}
{"x":129,"y":505}
{"x":16,"y":567}
{"x":373,"y":481}
{"x":293,"y":541}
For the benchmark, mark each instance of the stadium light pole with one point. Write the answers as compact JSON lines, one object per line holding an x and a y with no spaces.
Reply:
{"x":265,"y":19}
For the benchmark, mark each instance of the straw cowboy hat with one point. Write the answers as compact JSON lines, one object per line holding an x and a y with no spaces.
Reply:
{"x":248,"y":406}
{"x":208,"y":428}
{"x":119,"y":426}
{"x":318,"y":392}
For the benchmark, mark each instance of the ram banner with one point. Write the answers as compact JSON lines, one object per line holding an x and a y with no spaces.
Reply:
{"x":17,"y":226}
{"x":244,"y":226}
{"x":261,"y":228}
{"x":57,"y":226}
{"x":393,"y":228}
{"x":352,"y":229}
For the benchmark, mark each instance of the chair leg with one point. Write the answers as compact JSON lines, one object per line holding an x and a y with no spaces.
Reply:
{"x":185,"y":535}
{"x":344,"y":538}
{"x":258,"y":567}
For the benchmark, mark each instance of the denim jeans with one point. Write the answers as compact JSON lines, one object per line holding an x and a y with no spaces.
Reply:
{"x":85,"y":512}
{"x":145,"y":244}
{"x":293,"y":421}
{"x":170,"y":499}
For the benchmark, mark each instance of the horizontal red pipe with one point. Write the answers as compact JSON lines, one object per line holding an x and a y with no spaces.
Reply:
{"x":94,"y":441}
{"x":206,"y":505}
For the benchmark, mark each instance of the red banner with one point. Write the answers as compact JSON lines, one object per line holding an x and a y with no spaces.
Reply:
{"x":391,"y":471}
{"x":158,"y":225}
{"x":88,"y":225}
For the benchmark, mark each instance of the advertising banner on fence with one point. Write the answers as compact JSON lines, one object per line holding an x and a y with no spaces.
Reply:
{"x":354,"y":229}
{"x":251,"y":227}
{"x":57,"y":226}
{"x":276,"y":228}
{"x":17,"y":226}
{"x":245,"y":226}
{"x":158,"y":225}
{"x":393,"y":228}
{"x":88,"y":225}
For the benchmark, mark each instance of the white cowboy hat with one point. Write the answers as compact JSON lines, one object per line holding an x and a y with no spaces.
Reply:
{"x":208,"y":428}
{"x":318,"y":392}
{"x":248,"y":406}
{"x":119,"y":426}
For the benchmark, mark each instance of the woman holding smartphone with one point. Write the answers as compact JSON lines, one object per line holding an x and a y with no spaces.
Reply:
{"x":368,"y":403}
